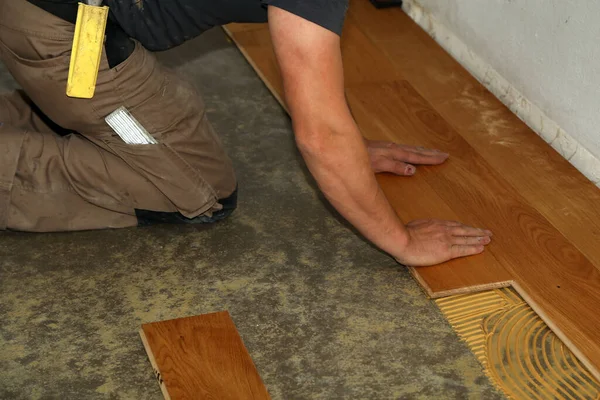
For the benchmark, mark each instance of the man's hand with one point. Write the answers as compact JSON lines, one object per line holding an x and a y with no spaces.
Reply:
{"x":401,"y":159}
{"x":432,"y":242}
{"x":429,"y":242}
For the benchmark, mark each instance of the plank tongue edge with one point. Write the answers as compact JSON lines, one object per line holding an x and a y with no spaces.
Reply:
{"x":462,"y":290}
{"x":154,"y":364}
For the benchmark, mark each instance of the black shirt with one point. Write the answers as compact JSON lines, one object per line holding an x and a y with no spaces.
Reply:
{"x":162,"y":24}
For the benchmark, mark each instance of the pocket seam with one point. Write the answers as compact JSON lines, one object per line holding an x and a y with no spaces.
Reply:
{"x":35,"y":63}
{"x":37,"y":34}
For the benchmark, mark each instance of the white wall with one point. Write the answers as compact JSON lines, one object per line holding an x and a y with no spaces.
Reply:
{"x":546,"y":51}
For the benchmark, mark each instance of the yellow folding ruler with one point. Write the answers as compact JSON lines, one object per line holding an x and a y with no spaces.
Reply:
{"x":87,"y":49}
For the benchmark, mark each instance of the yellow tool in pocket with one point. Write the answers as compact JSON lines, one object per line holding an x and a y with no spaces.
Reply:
{"x":87,"y":49}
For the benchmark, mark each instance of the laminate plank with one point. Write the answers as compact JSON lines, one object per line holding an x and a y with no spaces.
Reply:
{"x":414,"y":199}
{"x":202,"y":357}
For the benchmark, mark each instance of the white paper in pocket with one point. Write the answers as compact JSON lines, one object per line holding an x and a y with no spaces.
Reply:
{"x":128,"y":128}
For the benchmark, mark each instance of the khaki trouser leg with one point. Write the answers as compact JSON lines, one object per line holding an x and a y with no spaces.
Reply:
{"x":36,"y":193}
{"x":92,"y":179}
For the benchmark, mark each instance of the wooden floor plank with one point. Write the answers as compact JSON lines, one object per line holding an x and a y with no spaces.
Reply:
{"x":415,"y":199}
{"x":202,"y":357}
{"x":501,"y":175}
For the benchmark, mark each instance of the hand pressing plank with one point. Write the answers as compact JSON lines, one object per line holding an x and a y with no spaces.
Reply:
{"x":435,"y":241}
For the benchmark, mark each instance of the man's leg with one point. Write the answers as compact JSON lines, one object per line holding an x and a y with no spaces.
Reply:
{"x":186,"y":173}
{"x":35,"y":191}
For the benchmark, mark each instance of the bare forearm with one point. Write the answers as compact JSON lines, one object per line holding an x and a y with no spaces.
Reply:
{"x":311,"y":67}
{"x":340,"y":163}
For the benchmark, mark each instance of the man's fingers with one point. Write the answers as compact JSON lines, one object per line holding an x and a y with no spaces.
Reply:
{"x":420,"y":149}
{"x":470,"y":240}
{"x":452,"y":223}
{"x":464,"y":251}
{"x":395,"y":167}
{"x":463,"y":230}
{"x":419,"y":157}
{"x":380,"y":144}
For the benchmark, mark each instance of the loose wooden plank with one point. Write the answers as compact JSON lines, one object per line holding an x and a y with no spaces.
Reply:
{"x":545,"y":214}
{"x":201,"y":357}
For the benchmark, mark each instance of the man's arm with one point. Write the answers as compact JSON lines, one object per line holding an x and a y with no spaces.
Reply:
{"x":334,"y":150}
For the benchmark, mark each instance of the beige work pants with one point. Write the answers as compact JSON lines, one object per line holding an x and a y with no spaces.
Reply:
{"x":90,"y":178}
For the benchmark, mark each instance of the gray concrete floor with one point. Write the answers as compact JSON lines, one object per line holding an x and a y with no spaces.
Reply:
{"x":323,"y":314}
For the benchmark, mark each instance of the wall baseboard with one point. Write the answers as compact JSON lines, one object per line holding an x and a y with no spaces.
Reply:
{"x":528,"y":112}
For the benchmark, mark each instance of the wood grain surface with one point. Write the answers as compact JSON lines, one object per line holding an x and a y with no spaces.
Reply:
{"x":545,"y":215}
{"x":202,"y":357}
